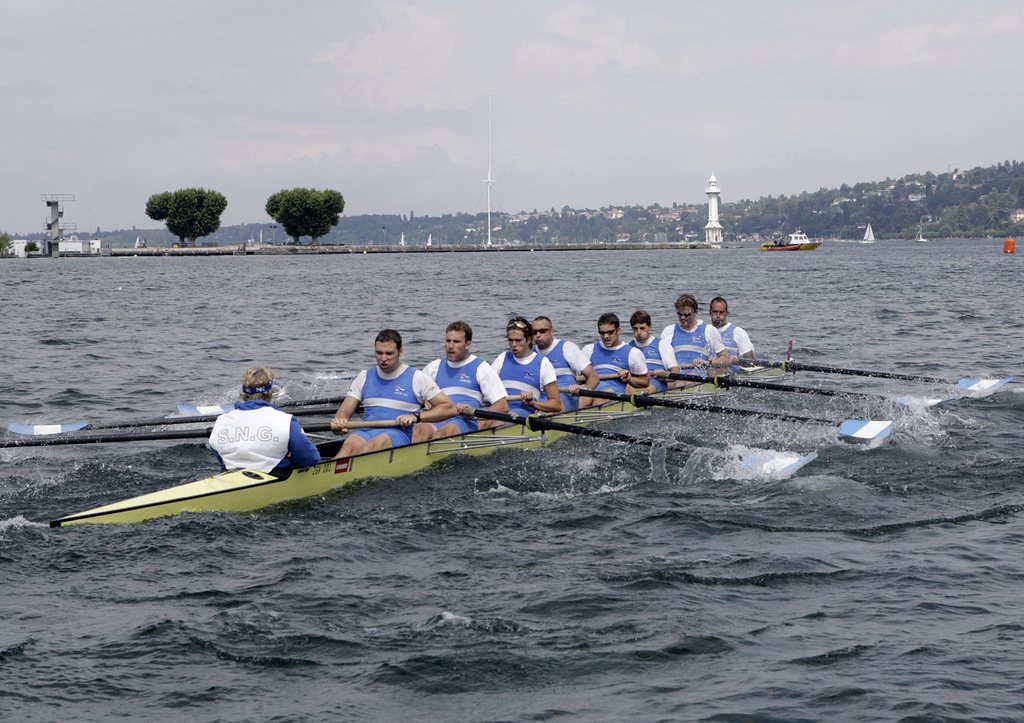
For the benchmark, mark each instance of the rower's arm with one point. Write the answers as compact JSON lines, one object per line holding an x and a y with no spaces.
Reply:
{"x":552,"y":404}
{"x":592,"y":380}
{"x":441,"y":408}
{"x":339,"y":425}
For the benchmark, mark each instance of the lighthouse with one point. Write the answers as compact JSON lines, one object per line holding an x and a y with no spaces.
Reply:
{"x":713,"y":229}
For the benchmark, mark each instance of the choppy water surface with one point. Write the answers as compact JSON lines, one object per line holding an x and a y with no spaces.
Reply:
{"x":584,"y":581}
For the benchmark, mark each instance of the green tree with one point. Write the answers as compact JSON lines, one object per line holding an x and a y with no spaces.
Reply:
{"x":5,"y":243}
{"x":31,"y":247}
{"x":190,"y":213}
{"x":306,"y":211}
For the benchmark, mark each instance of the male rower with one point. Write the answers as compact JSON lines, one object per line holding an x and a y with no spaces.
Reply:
{"x":737,"y":342}
{"x":620,"y":367}
{"x":567,"y":359}
{"x":469,"y":382}
{"x":528,"y":377}
{"x":652,"y":347}
{"x":390,"y":391}
{"x":257,"y":435}
{"x":695,"y":346}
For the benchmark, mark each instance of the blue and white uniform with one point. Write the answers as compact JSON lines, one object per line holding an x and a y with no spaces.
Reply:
{"x":471,"y":381}
{"x":651,"y":350}
{"x":612,"y":360}
{"x":257,"y":435}
{"x":685,"y":347}
{"x":531,"y":374}
{"x":568,"y":360}
{"x":736,"y":341}
{"x":386,"y":397}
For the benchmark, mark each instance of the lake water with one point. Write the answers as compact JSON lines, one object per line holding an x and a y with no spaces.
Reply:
{"x":585,"y":581}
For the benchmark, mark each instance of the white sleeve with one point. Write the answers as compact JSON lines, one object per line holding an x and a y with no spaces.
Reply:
{"x":424,"y":387}
{"x":637,"y":362}
{"x":547,"y":373}
{"x":431,"y":369}
{"x":714,"y":340}
{"x":355,"y":389}
{"x":668,"y":354}
{"x":742,"y":340}
{"x":587,"y":351}
{"x":576,"y":359}
{"x":490,"y":383}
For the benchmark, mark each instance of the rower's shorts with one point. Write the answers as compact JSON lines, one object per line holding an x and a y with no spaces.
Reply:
{"x":400,"y":436}
{"x":465,"y":425}
{"x":659,"y":386}
{"x":569,"y":402}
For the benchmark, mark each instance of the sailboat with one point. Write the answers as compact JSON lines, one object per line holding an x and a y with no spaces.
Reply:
{"x":869,"y":235}
{"x":920,"y":238}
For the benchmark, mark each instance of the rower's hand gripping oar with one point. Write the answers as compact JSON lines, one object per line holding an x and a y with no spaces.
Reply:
{"x":765,"y":461}
{"x":860,"y":430}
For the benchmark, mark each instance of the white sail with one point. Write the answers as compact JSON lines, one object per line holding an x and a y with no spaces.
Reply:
{"x":869,"y":235}
{"x":428,"y":240}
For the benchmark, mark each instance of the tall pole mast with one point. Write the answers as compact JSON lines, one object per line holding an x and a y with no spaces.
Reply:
{"x":490,"y":180}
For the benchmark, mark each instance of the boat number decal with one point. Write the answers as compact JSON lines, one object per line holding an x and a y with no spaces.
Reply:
{"x":342,"y":465}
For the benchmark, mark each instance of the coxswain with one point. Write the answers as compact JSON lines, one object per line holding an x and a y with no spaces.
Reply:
{"x":529,"y":378}
{"x":736,"y":340}
{"x":469,"y":381}
{"x":619,"y":366}
{"x":652,"y":347}
{"x":567,"y":359}
{"x":257,"y":435}
{"x":694,"y":344}
{"x":390,"y":391}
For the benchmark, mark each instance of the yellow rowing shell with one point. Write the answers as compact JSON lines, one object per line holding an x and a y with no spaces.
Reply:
{"x":247,"y":490}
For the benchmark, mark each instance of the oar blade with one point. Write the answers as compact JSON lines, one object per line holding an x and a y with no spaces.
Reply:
{"x":44,"y":429}
{"x":773,"y":464}
{"x":978,"y":388}
{"x":191,"y":410}
{"x":865,"y":430}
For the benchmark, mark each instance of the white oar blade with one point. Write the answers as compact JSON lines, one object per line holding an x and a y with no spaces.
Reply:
{"x":42,"y":429}
{"x":865,"y":430}
{"x":977,"y":388}
{"x":772,"y":464}
{"x":191,"y":410}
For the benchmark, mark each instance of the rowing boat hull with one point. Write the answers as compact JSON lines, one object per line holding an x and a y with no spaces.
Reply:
{"x":791,"y":247}
{"x":248,"y":490}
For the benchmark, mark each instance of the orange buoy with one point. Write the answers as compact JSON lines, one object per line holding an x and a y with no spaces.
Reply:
{"x":1009,"y":245}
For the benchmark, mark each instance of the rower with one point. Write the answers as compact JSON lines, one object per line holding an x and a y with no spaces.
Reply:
{"x":620,"y":367}
{"x":257,"y":435}
{"x":736,"y":341}
{"x":567,"y":359}
{"x":469,"y":382}
{"x":651,"y":346}
{"x":389,"y":391}
{"x":527,"y":376}
{"x":694,"y":344}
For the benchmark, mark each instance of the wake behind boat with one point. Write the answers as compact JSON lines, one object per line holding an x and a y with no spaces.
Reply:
{"x":797,"y":241}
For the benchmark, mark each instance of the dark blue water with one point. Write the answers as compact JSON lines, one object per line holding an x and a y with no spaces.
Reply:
{"x":584,"y":581}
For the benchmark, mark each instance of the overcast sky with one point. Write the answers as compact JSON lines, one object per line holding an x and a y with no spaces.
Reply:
{"x":594,"y":103}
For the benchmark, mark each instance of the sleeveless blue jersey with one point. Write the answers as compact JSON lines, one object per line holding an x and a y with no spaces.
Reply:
{"x":518,"y":378}
{"x":556,"y":355}
{"x":690,"y":345}
{"x":460,"y":383}
{"x":610,"y":361}
{"x":652,"y":354}
{"x":386,"y":399}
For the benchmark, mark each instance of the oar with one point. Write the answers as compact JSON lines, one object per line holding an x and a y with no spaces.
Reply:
{"x":971,"y":385}
{"x":766,"y":461}
{"x":862,"y":430}
{"x":160,"y":435}
{"x":727,"y":381}
{"x":194,"y":410}
{"x":50,"y":429}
